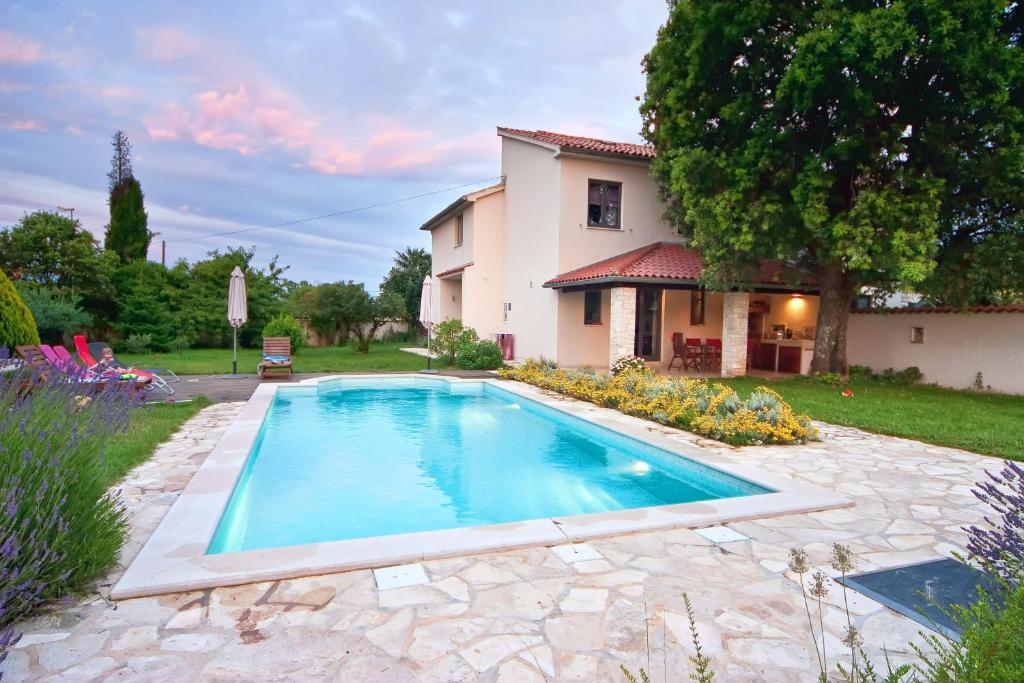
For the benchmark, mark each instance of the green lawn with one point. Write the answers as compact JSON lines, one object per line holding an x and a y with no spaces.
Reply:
{"x":980,"y":422}
{"x":151,"y":425}
{"x":382,"y":356}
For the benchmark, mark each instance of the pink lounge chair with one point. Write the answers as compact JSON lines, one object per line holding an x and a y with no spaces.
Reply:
{"x":66,"y":365}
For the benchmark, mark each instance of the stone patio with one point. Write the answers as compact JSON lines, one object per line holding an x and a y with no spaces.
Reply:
{"x":528,"y":615}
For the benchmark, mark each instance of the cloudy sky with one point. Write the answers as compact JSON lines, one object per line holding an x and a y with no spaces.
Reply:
{"x":246,"y":116}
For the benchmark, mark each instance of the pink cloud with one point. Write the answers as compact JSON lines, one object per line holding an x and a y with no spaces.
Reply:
{"x":253,"y":117}
{"x":165,"y":43}
{"x":25,"y":124}
{"x":13,"y":86}
{"x":15,"y":49}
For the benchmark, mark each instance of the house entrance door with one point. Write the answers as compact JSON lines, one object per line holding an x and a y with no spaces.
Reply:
{"x":648,"y":323}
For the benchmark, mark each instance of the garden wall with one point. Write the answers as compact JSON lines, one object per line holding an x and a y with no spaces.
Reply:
{"x":389,"y":328}
{"x":955,"y":347}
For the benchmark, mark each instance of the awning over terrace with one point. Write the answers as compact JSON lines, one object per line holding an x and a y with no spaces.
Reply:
{"x":669,"y":264}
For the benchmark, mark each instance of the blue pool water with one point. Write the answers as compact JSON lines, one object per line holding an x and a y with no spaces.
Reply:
{"x":360,"y":458}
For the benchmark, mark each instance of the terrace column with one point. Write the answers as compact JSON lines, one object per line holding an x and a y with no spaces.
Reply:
{"x":622,"y":326}
{"x":734,"y":334}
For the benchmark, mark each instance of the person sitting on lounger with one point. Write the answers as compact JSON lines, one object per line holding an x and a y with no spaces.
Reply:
{"x":108,"y":365}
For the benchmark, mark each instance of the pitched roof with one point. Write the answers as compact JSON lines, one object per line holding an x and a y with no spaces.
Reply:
{"x":659,"y":261}
{"x":460,"y":204}
{"x":1009,"y":308}
{"x":582,"y":144}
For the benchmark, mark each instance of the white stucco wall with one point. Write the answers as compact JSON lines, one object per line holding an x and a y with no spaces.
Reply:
{"x":956,"y":347}
{"x":531,"y":247}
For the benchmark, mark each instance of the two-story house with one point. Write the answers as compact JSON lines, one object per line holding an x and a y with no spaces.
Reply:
{"x":570,"y":255}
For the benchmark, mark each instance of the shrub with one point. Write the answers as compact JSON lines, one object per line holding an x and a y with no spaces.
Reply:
{"x":830,"y":378}
{"x":180,"y":343}
{"x":57,"y":312}
{"x":696,"y":405}
{"x":284,"y":325}
{"x":17,"y":326}
{"x":447,"y":337}
{"x":60,"y":528}
{"x":904,"y":377}
{"x":482,"y":355}
{"x":139,"y":343}
{"x":628,"y":363}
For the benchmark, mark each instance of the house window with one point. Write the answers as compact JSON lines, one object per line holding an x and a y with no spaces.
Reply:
{"x":459,"y":228}
{"x":917,"y":335}
{"x":604,"y":202}
{"x":697,"y":307}
{"x":592,"y":308}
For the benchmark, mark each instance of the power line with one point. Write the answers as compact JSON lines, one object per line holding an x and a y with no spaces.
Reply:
{"x":336,"y":213}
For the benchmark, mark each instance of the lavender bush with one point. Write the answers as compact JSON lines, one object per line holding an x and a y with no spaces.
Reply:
{"x":59,"y":527}
{"x":1001,"y":547}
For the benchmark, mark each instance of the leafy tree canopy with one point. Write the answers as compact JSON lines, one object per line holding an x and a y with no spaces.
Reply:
{"x":849,"y":140}
{"x":55,"y":251}
{"x":204,"y":308}
{"x":406,"y":279}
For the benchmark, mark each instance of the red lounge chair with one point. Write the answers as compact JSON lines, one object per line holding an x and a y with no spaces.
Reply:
{"x":97,"y":371}
{"x":96,"y":349}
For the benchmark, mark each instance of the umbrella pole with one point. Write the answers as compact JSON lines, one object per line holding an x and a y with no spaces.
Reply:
{"x":428,"y":347}
{"x":234,"y":350}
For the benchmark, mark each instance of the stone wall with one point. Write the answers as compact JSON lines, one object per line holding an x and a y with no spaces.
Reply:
{"x":622,"y":323}
{"x":734,"y":334}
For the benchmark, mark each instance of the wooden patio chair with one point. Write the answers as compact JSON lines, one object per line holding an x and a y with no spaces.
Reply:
{"x":715,"y":353}
{"x":277,"y":356}
{"x":678,"y":350}
{"x":694,"y":356}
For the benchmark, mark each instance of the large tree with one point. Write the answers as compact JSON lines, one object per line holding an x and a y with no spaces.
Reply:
{"x":406,"y":279}
{"x":848,"y":140}
{"x":54,"y":251}
{"x":128,"y":233}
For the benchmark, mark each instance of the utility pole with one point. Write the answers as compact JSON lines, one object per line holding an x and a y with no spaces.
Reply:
{"x":163,"y":252}
{"x":70,"y":211}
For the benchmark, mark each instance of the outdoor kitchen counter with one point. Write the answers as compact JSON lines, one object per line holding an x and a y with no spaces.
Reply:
{"x":790,"y":355}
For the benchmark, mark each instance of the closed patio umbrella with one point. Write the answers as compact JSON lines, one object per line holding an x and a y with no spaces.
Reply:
{"x":427,"y":314}
{"x":238,"y":314}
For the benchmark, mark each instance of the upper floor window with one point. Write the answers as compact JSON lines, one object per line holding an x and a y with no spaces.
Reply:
{"x":592,"y":307}
{"x":459,"y":230}
{"x":604,"y":204}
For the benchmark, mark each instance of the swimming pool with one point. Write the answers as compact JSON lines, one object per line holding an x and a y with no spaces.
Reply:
{"x":363,"y":458}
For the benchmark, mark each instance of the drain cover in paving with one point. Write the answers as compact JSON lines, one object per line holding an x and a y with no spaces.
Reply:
{"x":922,"y":591}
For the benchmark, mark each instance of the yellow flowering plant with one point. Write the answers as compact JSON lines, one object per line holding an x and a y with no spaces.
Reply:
{"x":697,"y":405}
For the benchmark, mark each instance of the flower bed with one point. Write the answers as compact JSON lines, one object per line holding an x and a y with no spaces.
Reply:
{"x":696,"y":405}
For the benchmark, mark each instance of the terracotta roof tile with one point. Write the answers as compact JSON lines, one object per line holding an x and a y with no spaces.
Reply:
{"x":581,"y":143}
{"x":1010,"y":308}
{"x":453,"y":271}
{"x":658,"y":261}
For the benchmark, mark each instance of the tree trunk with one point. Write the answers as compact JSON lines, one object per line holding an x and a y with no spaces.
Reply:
{"x":833,"y":315}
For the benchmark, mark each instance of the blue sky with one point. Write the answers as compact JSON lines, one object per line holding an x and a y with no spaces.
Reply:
{"x":244,"y":116}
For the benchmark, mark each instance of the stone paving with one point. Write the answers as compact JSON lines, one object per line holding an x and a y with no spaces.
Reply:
{"x":527,"y":615}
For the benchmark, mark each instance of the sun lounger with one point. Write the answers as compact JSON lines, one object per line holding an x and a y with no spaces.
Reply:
{"x":277,"y":356}
{"x":43,"y":368}
{"x":93,"y":366}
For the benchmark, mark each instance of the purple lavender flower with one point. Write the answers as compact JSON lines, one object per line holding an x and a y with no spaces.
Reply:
{"x":1001,"y":546}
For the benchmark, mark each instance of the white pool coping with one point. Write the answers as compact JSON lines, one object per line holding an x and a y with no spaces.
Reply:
{"x":174,"y":557}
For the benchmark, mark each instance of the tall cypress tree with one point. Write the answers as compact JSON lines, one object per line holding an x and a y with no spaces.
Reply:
{"x":127,"y":233}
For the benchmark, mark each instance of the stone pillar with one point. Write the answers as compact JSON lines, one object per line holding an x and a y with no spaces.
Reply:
{"x":622,"y":326}
{"x":734,"y":334}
